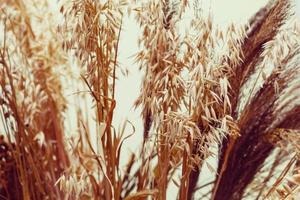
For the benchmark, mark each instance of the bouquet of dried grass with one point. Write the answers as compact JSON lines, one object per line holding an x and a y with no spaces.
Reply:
{"x":206,"y":90}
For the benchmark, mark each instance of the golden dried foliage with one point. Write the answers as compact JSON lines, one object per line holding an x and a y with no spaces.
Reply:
{"x":235,"y":90}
